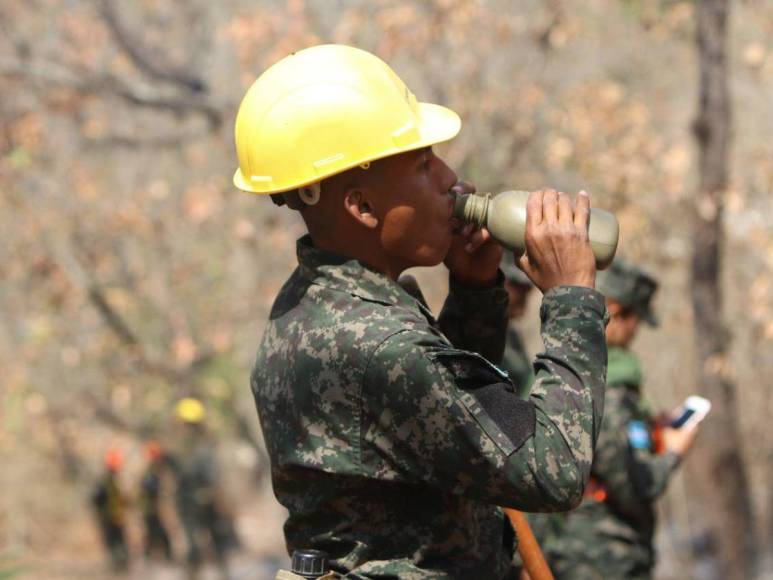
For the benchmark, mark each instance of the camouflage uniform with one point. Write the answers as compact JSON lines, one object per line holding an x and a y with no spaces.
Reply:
{"x":195,"y":468}
{"x":610,"y":535}
{"x":156,"y":536}
{"x":110,"y":504}
{"x":391,"y":435}
{"x":515,"y":359}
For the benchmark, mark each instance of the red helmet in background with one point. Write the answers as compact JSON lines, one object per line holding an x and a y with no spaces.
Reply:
{"x":153,"y":450}
{"x":113,"y":459}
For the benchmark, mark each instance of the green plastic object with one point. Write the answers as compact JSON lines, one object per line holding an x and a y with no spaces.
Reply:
{"x":504,"y":215}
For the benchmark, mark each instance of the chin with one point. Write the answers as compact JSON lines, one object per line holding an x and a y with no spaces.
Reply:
{"x":429,"y":253}
{"x":428,"y":261}
{"x":429,"y":256}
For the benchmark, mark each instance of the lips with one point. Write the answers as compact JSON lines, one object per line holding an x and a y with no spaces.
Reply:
{"x":451,"y":202}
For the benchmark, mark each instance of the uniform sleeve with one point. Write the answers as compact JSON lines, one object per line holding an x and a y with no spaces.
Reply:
{"x":650,"y":473}
{"x":448,"y":417}
{"x":476,"y":320}
{"x":625,"y":463}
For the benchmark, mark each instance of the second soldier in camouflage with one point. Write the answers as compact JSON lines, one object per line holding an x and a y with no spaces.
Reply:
{"x":610,"y":534}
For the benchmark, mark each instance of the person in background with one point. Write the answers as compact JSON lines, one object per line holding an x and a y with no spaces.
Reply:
{"x":196,"y":471}
{"x":110,"y":504}
{"x":156,"y":535}
{"x":610,"y":535}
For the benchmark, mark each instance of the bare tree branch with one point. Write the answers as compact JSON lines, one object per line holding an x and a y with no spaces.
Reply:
{"x":66,"y":257}
{"x":144,"y":97}
{"x":142,"y":58}
{"x":110,"y":316}
{"x":107,"y":83}
{"x":106,"y":415}
{"x":66,"y":454}
{"x":131,"y":142}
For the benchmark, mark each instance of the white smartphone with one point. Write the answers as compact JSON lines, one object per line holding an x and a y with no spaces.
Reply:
{"x":692,"y":411}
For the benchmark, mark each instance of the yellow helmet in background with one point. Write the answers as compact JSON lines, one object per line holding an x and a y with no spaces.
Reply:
{"x":327,"y":109}
{"x":190,"y":410}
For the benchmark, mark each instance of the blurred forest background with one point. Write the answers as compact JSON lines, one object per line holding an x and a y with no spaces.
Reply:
{"x":133,"y":272}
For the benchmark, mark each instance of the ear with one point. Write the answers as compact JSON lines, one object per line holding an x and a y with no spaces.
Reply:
{"x":358,"y":206}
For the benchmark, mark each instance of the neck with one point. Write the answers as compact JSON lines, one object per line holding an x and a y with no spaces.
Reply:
{"x":359,"y":247}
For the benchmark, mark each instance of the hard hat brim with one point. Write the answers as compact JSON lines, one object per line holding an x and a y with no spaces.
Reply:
{"x":437,"y":124}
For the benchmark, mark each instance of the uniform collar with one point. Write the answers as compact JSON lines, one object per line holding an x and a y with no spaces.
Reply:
{"x":348,"y":275}
{"x":623,"y":368}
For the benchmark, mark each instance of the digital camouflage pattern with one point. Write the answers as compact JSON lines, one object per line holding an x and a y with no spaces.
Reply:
{"x":385,"y":445}
{"x":196,"y":470}
{"x":517,"y":363}
{"x":516,"y":360}
{"x":613,"y":539}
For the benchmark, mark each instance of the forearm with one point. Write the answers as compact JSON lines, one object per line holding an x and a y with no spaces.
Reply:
{"x":569,"y":388}
{"x":567,"y":398}
{"x":545,"y":474}
{"x":476,"y":319}
{"x":650,"y":474}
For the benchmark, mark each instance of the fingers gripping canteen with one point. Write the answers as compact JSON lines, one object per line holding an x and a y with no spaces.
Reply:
{"x":504,"y":215}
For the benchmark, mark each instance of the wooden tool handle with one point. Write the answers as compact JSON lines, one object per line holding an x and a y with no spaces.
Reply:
{"x":531,"y":554}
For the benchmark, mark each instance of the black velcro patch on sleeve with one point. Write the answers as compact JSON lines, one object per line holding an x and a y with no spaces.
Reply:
{"x":515,"y":417}
{"x":488,"y":385}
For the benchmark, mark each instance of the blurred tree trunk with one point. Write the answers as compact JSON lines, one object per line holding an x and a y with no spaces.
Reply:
{"x":721,"y":467}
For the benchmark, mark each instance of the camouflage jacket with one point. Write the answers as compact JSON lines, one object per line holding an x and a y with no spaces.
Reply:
{"x":392,"y":437}
{"x":110,"y":501}
{"x":615,"y":536}
{"x":195,"y":468}
{"x":517,"y":363}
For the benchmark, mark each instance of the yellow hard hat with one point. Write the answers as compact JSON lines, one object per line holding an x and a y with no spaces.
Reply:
{"x":326,"y":109}
{"x":190,"y":410}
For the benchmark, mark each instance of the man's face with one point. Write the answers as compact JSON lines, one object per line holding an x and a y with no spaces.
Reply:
{"x":623,"y":324}
{"x":517,"y":295}
{"x":414,"y":208}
